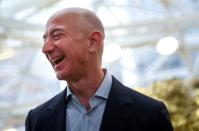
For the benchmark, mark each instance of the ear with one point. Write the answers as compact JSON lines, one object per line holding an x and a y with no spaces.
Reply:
{"x":95,"y":41}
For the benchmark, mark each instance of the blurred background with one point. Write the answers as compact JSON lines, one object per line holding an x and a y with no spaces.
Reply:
{"x":151,"y":46}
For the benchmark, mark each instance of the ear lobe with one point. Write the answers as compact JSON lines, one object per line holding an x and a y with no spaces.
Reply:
{"x":95,"y":41}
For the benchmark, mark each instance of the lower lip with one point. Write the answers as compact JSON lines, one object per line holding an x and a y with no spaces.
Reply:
{"x":58,"y":66}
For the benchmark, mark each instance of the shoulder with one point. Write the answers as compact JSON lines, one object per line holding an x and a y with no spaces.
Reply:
{"x":141,"y":101}
{"x":148,"y":111}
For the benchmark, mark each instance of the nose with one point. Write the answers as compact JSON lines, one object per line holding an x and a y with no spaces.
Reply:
{"x":48,"y":46}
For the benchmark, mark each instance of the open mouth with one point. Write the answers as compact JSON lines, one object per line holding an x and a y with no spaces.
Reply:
{"x":57,"y":60}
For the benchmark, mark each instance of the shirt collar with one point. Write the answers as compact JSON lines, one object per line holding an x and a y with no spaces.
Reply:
{"x":104,"y":88}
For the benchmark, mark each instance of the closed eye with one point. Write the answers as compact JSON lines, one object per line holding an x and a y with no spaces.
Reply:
{"x":57,"y":37}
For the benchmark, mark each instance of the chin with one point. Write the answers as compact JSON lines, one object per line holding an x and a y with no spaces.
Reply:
{"x":61,"y":76}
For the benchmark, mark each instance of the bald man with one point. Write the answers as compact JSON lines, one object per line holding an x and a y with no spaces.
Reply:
{"x":94,"y":100}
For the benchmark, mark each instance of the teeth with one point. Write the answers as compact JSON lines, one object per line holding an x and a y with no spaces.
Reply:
{"x":57,"y":59}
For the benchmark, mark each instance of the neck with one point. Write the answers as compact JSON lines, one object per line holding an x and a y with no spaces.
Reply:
{"x":86,"y":87}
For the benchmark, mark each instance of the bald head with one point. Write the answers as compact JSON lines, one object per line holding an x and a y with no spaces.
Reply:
{"x":83,"y":19}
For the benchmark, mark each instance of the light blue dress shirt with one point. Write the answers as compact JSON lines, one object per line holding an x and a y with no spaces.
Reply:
{"x":78,"y":118}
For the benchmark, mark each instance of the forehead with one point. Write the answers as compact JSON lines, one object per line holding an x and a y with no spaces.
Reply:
{"x":60,"y":22}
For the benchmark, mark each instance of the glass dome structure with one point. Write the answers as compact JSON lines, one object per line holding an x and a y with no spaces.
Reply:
{"x":134,"y":26}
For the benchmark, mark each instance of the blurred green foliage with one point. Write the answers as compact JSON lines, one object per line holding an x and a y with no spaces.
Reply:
{"x":182,"y":100}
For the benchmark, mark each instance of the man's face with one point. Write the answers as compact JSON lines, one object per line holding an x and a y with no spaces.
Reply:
{"x":66,"y":49}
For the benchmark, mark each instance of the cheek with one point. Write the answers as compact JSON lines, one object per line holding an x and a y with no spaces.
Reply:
{"x":81,"y":54}
{"x":75,"y":50}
